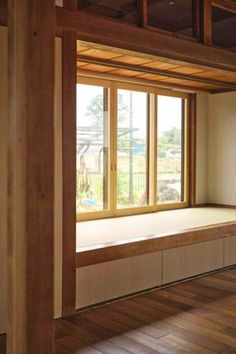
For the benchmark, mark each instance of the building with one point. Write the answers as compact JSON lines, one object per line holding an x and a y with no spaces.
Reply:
{"x":127,"y":107}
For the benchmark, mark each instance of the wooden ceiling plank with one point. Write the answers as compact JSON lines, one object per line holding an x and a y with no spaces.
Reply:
{"x":121,"y":65}
{"x":132,"y":60}
{"x":97,"y":53}
{"x":140,"y":81}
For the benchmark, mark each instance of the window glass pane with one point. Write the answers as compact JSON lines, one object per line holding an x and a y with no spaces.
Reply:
{"x":223,"y":28}
{"x":170,"y":171}
{"x":132,"y":149}
{"x":174,"y":16}
{"x":123,"y":10}
{"x":92,"y":148}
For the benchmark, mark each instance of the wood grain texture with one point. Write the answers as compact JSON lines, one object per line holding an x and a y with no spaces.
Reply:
{"x":144,"y":13}
{"x":31,"y":176}
{"x":192,"y":148}
{"x":230,"y":251}
{"x":227,"y":5}
{"x":69,"y":170}
{"x":133,"y":38}
{"x":137,"y":66}
{"x":3,"y":177}
{"x":206,"y":25}
{"x":184,"y":318}
{"x":184,"y":262}
{"x":58,"y":180}
{"x":105,"y":281}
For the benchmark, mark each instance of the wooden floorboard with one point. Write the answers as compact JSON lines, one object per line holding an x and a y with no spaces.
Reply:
{"x":198,"y":316}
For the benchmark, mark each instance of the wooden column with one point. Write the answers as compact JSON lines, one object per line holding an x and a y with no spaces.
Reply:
{"x":192,"y":148}
{"x":31,"y":176}
{"x":206,"y":22}
{"x":196,"y":9}
{"x":144,"y":13}
{"x":69,"y":172}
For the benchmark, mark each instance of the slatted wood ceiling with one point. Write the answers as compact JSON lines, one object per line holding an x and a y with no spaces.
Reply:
{"x":97,"y":59}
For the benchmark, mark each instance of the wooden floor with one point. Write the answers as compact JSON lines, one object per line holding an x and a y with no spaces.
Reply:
{"x":198,"y":316}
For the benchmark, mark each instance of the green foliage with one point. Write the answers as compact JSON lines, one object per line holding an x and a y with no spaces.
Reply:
{"x":96,"y":114}
{"x":168,"y":139}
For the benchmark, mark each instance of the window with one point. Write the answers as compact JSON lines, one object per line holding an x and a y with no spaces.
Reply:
{"x":131,"y":149}
{"x":92,"y":148}
{"x":170,"y":150}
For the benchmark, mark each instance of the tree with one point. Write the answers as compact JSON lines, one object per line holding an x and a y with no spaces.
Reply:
{"x":96,"y":114}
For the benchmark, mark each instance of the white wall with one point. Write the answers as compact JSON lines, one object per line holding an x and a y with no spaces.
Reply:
{"x":222,"y":149}
{"x":202,"y":148}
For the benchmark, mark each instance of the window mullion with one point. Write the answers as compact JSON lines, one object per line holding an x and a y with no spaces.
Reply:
{"x":152,"y":149}
{"x":113,"y":146}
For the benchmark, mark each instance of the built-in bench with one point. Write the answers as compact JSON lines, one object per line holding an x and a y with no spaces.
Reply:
{"x":117,"y":257}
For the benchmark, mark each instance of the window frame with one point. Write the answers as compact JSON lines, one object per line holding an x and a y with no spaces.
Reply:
{"x":113,"y":86}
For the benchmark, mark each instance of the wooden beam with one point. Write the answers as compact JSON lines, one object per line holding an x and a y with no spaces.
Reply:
{"x":192,"y":148}
{"x":144,"y":69}
{"x":69,"y":172}
{"x":31,"y":177}
{"x":144,"y":13}
{"x":124,"y":36}
{"x":206,"y":23}
{"x":70,"y":4}
{"x":227,"y":5}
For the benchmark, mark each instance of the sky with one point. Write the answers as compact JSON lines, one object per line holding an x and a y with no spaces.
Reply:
{"x":169,"y":108}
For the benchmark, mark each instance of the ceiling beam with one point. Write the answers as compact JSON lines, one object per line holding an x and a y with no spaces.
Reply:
{"x":144,"y":69}
{"x":121,"y":35}
{"x":227,"y":5}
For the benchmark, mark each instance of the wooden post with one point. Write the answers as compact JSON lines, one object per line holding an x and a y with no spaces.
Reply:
{"x":192,"y":148}
{"x":31,"y":176}
{"x":144,"y":13}
{"x":69,"y":56}
{"x":206,"y":22}
{"x":196,"y":10}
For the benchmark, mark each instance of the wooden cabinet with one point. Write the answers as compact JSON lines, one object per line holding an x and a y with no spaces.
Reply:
{"x":186,"y":261}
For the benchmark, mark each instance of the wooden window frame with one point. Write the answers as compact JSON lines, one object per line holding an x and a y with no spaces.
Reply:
{"x":113,"y":86}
